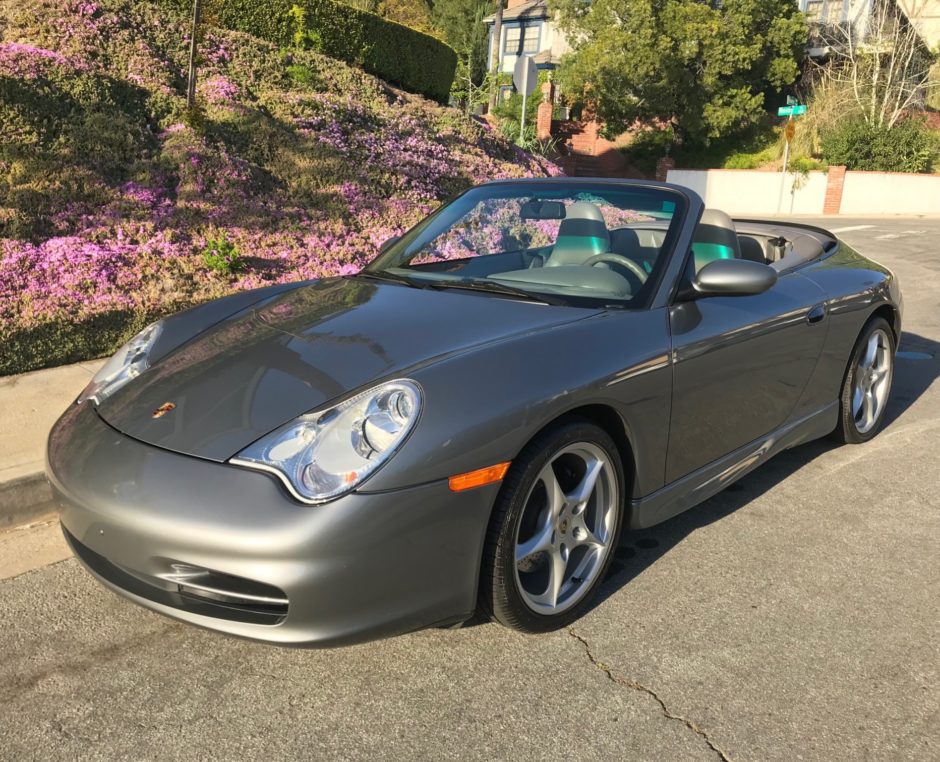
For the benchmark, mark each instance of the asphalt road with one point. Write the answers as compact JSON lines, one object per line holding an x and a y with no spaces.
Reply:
{"x":794,"y":616}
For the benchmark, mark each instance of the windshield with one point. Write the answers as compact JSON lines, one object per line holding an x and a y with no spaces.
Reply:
{"x":565,"y":242}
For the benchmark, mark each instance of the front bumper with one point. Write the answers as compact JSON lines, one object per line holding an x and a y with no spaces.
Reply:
{"x":361,"y":567}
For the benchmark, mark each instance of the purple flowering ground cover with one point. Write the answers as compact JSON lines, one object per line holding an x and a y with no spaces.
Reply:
{"x":111,"y":195}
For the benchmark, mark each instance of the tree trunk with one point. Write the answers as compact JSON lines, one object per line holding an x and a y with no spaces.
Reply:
{"x":191,"y":84}
{"x":497,"y":50}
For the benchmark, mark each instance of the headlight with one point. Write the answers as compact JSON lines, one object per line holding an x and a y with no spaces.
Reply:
{"x":127,"y":363}
{"x":325,"y":454}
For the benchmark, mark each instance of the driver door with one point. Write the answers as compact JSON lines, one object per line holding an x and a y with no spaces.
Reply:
{"x":740,"y":364}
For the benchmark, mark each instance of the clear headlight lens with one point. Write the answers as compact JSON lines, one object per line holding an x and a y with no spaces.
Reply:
{"x":325,"y":454}
{"x":127,"y":363}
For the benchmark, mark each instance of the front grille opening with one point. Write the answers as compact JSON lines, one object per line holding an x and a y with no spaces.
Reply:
{"x":193,"y":589}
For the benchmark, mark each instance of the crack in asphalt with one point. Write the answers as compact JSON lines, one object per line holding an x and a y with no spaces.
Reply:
{"x":640,"y":688}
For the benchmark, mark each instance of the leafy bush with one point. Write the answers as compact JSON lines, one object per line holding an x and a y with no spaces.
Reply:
{"x":744,"y":161}
{"x":805,"y":164}
{"x":861,"y":146}
{"x":222,"y":256}
{"x":414,"y":60}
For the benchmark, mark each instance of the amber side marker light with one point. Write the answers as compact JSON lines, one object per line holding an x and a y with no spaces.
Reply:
{"x":478,"y":478}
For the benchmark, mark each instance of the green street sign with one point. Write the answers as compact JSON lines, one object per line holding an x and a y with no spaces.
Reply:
{"x":791,"y":111}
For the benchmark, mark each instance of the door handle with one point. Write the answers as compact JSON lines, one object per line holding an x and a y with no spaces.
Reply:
{"x":816,"y":314}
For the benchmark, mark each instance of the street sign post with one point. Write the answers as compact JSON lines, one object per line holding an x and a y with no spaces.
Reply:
{"x":525,"y":77}
{"x":791,"y":110}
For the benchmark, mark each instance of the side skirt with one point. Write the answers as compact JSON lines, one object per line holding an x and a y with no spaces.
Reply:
{"x":709,"y":480}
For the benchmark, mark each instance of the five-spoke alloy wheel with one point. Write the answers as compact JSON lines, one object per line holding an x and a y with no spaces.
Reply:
{"x":554,"y":528}
{"x":867,"y":383}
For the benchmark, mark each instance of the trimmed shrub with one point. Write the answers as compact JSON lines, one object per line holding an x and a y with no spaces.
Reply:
{"x":862,"y":146}
{"x":416,"y":61}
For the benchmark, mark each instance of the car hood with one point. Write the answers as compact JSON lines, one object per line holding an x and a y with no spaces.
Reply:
{"x":259,"y":369}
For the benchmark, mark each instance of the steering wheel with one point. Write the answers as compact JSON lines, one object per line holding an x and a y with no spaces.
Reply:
{"x":618,"y":259}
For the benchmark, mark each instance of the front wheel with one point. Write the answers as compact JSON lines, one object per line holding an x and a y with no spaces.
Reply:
{"x":867,"y":384}
{"x":554,"y":528}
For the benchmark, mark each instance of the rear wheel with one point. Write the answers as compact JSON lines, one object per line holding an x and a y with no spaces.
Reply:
{"x":554,"y":528}
{"x":867,"y":384}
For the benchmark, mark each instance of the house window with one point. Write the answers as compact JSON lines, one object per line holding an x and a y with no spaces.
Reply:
{"x":530,"y":40}
{"x":815,"y":10}
{"x":521,"y":40}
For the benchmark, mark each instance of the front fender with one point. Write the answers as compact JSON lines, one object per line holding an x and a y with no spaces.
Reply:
{"x":483,"y":406}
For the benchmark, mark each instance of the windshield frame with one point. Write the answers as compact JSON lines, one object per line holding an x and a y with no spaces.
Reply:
{"x":643,"y":299}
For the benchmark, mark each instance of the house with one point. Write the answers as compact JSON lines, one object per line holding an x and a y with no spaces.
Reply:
{"x":528,"y":30}
{"x":924,"y":16}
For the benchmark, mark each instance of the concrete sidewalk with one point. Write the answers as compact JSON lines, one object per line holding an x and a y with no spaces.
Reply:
{"x":29,"y":404}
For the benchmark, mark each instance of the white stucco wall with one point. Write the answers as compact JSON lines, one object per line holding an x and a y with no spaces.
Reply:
{"x":890,"y":193}
{"x":744,"y":191}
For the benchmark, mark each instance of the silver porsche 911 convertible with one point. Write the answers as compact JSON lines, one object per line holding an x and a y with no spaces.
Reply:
{"x":470,"y":422}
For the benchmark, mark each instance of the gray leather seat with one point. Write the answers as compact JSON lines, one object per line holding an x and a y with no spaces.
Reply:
{"x":715,"y":238}
{"x":625,"y":242}
{"x":752,"y":249}
{"x":581,"y":235}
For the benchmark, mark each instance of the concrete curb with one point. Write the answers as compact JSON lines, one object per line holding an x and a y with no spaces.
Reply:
{"x":25,"y":500}
{"x":30,"y":403}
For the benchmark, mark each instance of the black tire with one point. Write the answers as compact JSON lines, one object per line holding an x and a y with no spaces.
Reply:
{"x":849,"y":429}
{"x":500,"y":595}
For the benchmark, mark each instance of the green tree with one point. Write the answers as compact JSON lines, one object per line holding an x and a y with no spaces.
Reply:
{"x":460,"y":22}
{"x":703,"y":67}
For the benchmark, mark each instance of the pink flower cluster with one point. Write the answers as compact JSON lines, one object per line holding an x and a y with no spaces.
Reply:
{"x":30,"y":62}
{"x":218,"y":89}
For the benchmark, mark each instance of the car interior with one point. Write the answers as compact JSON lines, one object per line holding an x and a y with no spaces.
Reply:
{"x":587,"y":258}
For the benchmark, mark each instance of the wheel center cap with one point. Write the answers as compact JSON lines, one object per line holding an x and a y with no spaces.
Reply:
{"x":563,"y":526}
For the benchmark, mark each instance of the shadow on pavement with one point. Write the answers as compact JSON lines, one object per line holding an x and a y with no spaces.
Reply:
{"x":912,"y":377}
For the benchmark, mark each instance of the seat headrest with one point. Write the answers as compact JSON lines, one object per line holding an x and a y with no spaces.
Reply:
{"x":581,"y":235}
{"x":715,"y":238}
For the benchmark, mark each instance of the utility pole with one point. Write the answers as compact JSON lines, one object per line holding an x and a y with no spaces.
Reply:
{"x":496,"y":51}
{"x":191,"y":84}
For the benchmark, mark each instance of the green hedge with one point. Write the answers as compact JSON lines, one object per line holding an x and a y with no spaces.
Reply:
{"x":416,"y":61}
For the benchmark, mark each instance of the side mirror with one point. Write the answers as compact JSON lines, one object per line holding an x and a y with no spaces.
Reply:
{"x":733,"y":277}
{"x":389,"y":243}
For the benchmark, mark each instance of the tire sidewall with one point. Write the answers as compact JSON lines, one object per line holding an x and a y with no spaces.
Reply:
{"x":848,"y":428}
{"x":508,"y":604}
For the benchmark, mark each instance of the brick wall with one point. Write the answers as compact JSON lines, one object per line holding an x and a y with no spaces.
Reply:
{"x":835,"y":182}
